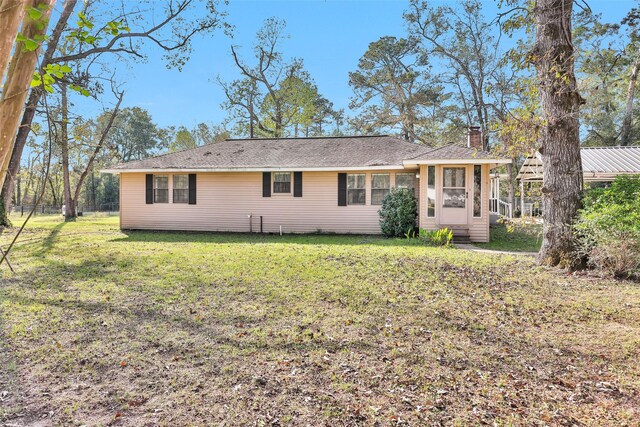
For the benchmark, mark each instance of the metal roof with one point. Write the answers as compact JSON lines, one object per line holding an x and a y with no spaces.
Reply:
{"x":598,"y":164}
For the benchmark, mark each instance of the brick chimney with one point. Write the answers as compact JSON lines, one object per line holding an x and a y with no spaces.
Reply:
{"x":475,"y":138}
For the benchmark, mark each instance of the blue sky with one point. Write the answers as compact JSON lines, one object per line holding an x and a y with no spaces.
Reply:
{"x":330,"y":36}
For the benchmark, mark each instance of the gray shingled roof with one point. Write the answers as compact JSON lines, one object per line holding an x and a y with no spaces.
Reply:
{"x":294,"y":153}
{"x":597,"y":163}
{"x":455,"y":151}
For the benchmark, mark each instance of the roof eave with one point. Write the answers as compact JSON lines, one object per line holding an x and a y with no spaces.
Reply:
{"x":256,"y":169}
{"x":415,"y":162}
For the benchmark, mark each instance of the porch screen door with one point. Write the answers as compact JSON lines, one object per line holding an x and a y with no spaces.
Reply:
{"x":454,"y":196}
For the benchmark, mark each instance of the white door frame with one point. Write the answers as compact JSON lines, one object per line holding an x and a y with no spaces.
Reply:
{"x":459,"y":195}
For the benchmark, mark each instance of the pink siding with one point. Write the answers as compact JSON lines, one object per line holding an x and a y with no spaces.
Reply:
{"x":226,"y":199}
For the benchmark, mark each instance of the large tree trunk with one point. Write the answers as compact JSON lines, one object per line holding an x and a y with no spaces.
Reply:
{"x":32,"y":104}
{"x":562,"y":167}
{"x":11,"y":12}
{"x":628,"y":113}
{"x":16,"y":85}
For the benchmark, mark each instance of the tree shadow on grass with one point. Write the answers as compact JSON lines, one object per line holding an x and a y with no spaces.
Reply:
{"x":261,"y":238}
{"x":15,"y":407}
{"x":135,"y":319}
{"x":50,"y":240}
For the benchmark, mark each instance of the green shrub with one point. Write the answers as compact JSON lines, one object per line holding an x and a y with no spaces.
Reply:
{"x":398,"y":212}
{"x":441,"y":237}
{"x":608,"y":229}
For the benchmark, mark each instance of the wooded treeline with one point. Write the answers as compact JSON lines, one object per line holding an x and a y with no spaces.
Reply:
{"x":51,"y":149}
{"x":455,"y":66}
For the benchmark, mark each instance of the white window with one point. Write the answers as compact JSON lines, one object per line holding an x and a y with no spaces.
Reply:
{"x":406,"y":180}
{"x":282,"y":182}
{"x":160,"y":189}
{"x":477,"y":191}
{"x":180,"y":188}
{"x":431,"y":191}
{"x":380,"y":187}
{"x":356,"y":193}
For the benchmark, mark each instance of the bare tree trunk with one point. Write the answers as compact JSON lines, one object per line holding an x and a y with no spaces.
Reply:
{"x":16,"y":85}
{"x":628,"y":113}
{"x":53,"y":192}
{"x":251,"y":118}
{"x":97,"y":149}
{"x":93,"y":190}
{"x":560,"y":101}
{"x":69,"y":202}
{"x":32,"y":104}
{"x":20,"y":142}
{"x":278,"y":133}
{"x":18,"y":188}
{"x":27,"y":185}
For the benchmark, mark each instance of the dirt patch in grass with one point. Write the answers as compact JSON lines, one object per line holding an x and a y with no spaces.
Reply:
{"x":106,"y":328}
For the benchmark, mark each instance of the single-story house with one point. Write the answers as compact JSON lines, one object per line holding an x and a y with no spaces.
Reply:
{"x":307,"y":185}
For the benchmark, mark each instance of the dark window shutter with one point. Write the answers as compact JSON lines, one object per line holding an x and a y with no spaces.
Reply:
{"x":266,"y":184}
{"x":192,"y":188}
{"x":342,"y":189}
{"x":297,"y":184}
{"x":149,"y":188}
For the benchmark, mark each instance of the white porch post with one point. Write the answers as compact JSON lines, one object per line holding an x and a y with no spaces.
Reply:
{"x":521,"y":197}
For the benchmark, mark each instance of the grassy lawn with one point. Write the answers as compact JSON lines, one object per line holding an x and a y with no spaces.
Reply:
{"x":518,"y":240}
{"x":100,"y":327}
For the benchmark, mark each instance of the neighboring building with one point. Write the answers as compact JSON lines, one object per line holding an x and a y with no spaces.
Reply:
{"x":599,"y":164}
{"x":307,"y":185}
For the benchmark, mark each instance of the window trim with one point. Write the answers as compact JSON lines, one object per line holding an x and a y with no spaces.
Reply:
{"x":155,"y":188}
{"x":388,"y":189}
{"x":364,"y":188}
{"x":273,"y":183}
{"x":412,"y":174}
{"x":464,"y":188}
{"x":173,"y":185}
{"x":435,"y":180}
{"x":474,"y":192}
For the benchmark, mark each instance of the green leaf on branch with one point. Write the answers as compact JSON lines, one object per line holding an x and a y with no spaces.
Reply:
{"x":117,"y":27}
{"x":49,"y":75}
{"x":83,"y":21}
{"x":36,"y":80}
{"x":28,"y":45}
{"x":34,"y":13}
{"x":82,"y":91}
